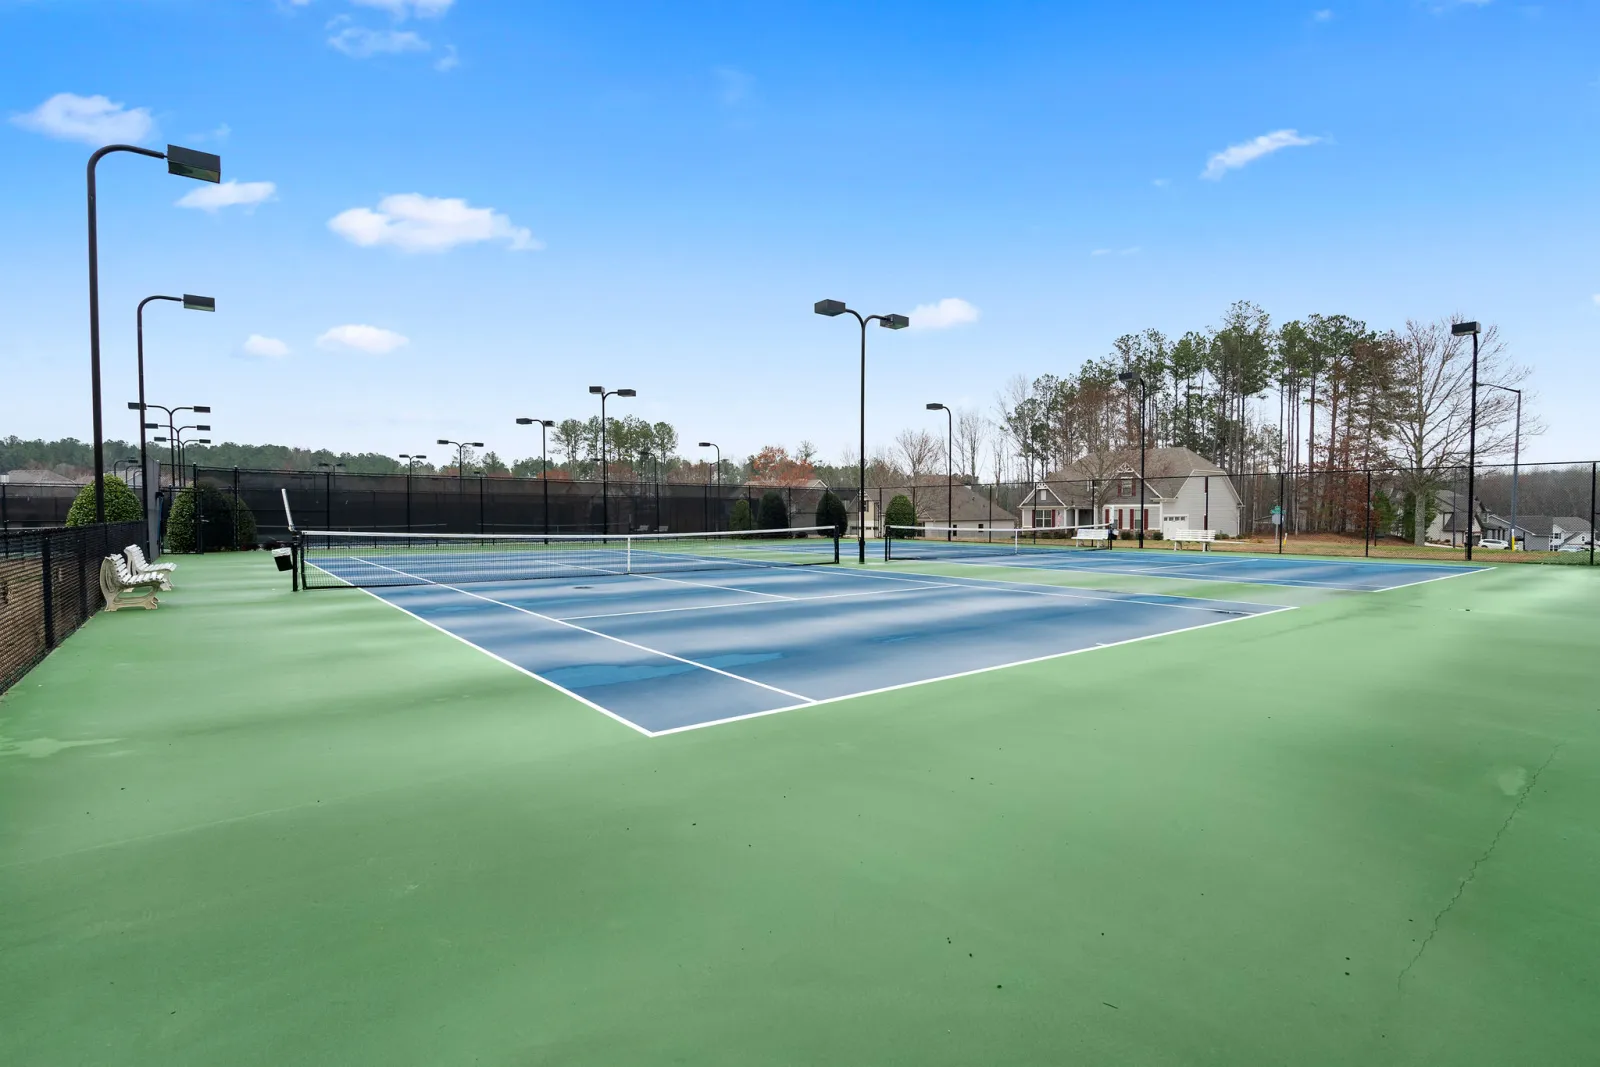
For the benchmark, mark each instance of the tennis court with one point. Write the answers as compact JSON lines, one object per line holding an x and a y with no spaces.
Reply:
{"x":667,"y":633}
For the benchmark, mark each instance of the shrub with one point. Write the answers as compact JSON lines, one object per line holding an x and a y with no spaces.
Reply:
{"x":215,"y":512}
{"x":773,"y":514}
{"x":244,"y":525}
{"x":122,"y":504}
{"x":1154,"y":535}
{"x":831,"y":512}
{"x":901,"y":513}
{"x":739,"y":518}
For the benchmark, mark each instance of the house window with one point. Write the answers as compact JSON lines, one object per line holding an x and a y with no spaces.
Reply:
{"x":1125,"y":487}
{"x":1044,"y":518}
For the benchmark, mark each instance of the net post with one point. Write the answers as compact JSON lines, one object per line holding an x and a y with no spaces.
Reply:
{"x":888,"y":539}
{"x":294,"y":563}
{"x":628,"y":557}
{"x":836,"y":544}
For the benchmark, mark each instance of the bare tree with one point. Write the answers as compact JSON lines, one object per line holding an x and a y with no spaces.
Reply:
{"x":972,"y":433}
{"x":920,"y":451}
{"x":1434,"y":403}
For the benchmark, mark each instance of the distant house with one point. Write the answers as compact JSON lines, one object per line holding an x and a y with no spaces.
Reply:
{"x":1181,"y":489}
{"x":967,"y":510}
{"x":1569,"y":533}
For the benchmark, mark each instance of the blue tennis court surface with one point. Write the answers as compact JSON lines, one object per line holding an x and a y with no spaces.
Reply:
{"x":1362,"y":575}
{"x":668,"y":653}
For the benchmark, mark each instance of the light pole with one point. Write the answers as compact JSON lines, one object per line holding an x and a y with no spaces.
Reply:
{"x":544,"y":463}
{"x":184,"y":162}
{"x":949,"y":470}
{"x":327,"y":496}
{"x":605,"y":496}
{"x":181,"y":443}
{"x":172,"y":415}
{"x":713,"y":444}
{"x":461,"y":454}
{"x":1462,"y":329}
{"x":190,"y":302}
{"x":1516,"y":457}
{"x":832,"y":309}
{"x":1127,"y":378}
{"x":412,"y":459}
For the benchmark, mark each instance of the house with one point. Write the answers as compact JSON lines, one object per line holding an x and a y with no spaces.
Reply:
{"x":853,"y":510}
{"x":1181,"y":489}
{"x":1569,"y":533}
{"x":963,"y":508}
{"x":1533,"y":531}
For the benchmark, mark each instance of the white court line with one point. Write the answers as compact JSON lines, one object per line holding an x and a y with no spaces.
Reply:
{"x":730,"y":604}
{"x":995,"y":584}
{"x":1170,"y":573}
{"x":597,"y":633}
{"x":707,"y":585}
{"x":1425,"y":581}
{"x":958,"y":674}
{"x":516,"y":667}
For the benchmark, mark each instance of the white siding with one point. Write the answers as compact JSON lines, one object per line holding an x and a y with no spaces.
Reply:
{"x":1224,"y":506}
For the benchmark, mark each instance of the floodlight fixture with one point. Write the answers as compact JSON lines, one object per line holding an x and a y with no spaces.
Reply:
{"x":936,"y":407}
{"x":830,"y":308}
{"x":894,"y":322}
{"x":199,"y":303}
{"x":597,"y":389}
{"x":524,"y":422}
{"x":201,"y":409}
{"x":627,"y":392}
{"x":1463,"y":329}
{"x":187,"y":163}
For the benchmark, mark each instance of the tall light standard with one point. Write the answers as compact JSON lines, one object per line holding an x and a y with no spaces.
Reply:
{"x":832,"y":309}
{"x":190,"y":302}
{"x":713,"y":444}
{"x":461,"y":453}
{"x":172,"y":418}
{"x":327,"y":496}
{"x":1462,"y":329}
{"x":184,"y":162}
{"x":1127,"y":378}
{"x":605,"y":496}
{"x":949,"y":470}
{"x":412,"y":459}
{"x":1516,"y":456}
{"x":181,"y":443}
{"x":544,"y":463}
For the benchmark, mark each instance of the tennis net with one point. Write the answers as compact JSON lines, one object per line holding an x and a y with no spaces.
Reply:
{"x":364,"y":559}
{"x":961,"y":542}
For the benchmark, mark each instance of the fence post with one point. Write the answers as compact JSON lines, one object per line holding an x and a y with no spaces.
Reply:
{"x":5,"y":519}
{"x":1592,"y":513}
{"x":49,"y":586}
{"x":1366,"y":530}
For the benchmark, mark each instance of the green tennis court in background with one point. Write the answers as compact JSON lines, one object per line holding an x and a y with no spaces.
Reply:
{"x":260,"y":828}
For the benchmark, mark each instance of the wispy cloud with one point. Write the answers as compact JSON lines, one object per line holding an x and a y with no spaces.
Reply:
{"x":733,"y":86}
{"x":268,"y":347}
{"x":214,"y":198}
{"x":92,"y":120}
{"x":951,"y":311}
{"x":1235,"y":156}
{"x":1597,"y":298}
{"x":1325,"y":15}
{"x":402,"y":8}
{"x":449,"y":61}
{"x":1161,"y":183}
{"x":1132,"y":250}
{"x":358,"y":42}
{"x":373,"y":340}
{"x":412,"y":222}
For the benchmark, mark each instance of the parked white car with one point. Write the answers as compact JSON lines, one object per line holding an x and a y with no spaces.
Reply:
{"x":1493,"y":542}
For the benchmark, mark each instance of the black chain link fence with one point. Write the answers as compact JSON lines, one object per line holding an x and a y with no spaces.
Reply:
{"x":50,"y":586}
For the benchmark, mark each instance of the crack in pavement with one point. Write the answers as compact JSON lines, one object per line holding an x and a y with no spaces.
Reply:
{"x":1472,"y":872}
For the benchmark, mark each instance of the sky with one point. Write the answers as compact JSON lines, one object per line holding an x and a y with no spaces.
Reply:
{"x":440,"y":215}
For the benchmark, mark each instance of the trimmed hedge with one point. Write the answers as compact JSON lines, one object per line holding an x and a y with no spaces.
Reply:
{"x":740,"y":518}
{"x":228,"y":523}
{"x":122,"y":504}
{"x":901,"y":513}
{"x":831,"y":512}
{"x":773,"y":514}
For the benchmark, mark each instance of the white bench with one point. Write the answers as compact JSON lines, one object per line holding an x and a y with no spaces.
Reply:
{"x":1093,"y":536}
{"x":124,"y":589}
{"x":161,"y":572}
{"x":1178,"y":536}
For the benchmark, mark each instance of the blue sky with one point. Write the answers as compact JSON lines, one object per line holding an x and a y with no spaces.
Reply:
{"x":477,"y":209}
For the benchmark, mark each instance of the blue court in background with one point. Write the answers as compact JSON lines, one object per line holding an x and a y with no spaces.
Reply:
{"x":670,"y":652}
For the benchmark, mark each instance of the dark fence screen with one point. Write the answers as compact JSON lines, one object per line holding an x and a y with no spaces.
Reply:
{"x":49,"y":586}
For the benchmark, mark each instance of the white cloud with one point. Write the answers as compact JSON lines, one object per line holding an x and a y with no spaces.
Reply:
{"x":91,"y":119}
{"x":370,"y":339}
{"x":951,"y":311}
{"x":1161,"y":183}
{"x":1101,"y":252}
{"x":733,"y":86}
{"x":412,"y":222}
{"x":213,"y":198}
{"x":271,"y":347}
{"x":1235,"y":156}
{"x":358,"y":42}
{"x":449,"y":61}
{"x":1131,"y":251}
{"x":1597,"y":298}
{"x":426,"y":9}
{"x":1325,"y":15}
